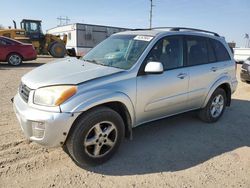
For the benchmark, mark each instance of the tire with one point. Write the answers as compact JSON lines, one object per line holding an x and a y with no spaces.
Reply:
{"x":95,"y":137}
{"x":14,"y":59}
{"x":57,"y":50}
{"x":215,"y":107}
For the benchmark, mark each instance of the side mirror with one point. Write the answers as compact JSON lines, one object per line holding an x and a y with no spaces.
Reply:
{"x":154,"y":68}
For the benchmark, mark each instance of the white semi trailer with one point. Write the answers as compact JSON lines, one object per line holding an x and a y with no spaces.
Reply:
{"x":241,"y":54}
{"x":82,"y":37}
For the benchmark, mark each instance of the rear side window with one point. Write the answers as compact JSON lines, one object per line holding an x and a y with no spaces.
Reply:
{"x":211,"y":53}
{"x":220,"y":51}
{"x":197,"y":50}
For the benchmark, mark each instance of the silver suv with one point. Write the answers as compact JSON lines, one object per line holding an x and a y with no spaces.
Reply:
{"x":89,"y":105}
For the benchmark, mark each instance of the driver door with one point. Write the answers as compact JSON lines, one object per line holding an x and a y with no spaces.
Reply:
{"x":160,"y":95}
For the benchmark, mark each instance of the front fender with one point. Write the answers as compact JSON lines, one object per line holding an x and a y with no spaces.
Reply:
{"x":223,"y":80}
{"x":91,"y":99}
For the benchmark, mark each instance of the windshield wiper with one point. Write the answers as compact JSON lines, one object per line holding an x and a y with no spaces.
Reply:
{"x":95,"y":62}
{"x":90,"y":60}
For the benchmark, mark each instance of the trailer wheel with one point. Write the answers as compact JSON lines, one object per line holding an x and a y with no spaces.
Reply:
{"x":57,"y":50}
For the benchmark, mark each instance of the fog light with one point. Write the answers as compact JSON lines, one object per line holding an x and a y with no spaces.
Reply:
{"x":38,"y":129}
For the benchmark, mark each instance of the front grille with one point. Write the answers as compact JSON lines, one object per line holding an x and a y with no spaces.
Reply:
{"x":24,"y":92}
{"x":245,"y":66}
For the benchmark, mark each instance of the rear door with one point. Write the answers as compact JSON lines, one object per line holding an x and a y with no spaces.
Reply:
{"x":205,"y":68}
{"x":164,"y":94}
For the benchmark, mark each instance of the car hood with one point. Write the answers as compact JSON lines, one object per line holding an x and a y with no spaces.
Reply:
{"x":66,"y":71}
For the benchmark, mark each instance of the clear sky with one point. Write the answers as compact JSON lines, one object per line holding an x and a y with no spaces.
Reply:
{"x":230,"y":18}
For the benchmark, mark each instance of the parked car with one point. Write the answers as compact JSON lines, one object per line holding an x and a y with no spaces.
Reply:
{"x":245,"y":71}
{"x":87,"y":105}
{"x":241,"y":54}
{"x":15,"y":52}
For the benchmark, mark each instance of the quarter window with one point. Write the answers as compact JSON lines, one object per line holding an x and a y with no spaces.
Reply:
{"x":197,"y":51}
{"x":168,"y":51}
{"x":220,"y":51}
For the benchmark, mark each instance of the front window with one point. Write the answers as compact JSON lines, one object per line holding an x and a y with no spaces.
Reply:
{"x":168,"y":51}
{"x":120,"y":51}
{"x":33,"y":27}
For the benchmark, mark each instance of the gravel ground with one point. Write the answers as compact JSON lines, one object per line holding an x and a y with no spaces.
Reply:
{"x":180,"y":151}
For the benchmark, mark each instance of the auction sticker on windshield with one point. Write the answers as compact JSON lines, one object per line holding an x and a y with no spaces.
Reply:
{"x":144,"y":38}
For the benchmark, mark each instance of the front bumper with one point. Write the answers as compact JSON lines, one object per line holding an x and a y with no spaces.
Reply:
{"x":245,"y":75}
{"x":43,"y":127}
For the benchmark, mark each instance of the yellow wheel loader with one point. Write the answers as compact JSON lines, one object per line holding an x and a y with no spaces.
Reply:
{"x":31,"y":32}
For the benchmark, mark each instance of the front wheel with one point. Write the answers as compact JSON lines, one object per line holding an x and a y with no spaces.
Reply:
{"x":57,"y":50}
{"x":215,"y":106}
{"x":95,"y":137}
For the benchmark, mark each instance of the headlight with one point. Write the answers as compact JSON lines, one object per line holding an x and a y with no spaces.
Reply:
{"x":54,"y":95}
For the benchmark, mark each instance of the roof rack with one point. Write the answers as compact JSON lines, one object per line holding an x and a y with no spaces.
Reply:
{"x":187,"y":29}
{"x":140,"y":29}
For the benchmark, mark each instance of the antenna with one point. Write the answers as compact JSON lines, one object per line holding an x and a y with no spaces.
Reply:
{"x":151,"y":13}
{"x":63,"y":20}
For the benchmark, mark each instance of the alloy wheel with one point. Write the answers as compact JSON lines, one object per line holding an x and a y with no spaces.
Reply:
{"x":100,"y":139}
{"x":217,"y":106}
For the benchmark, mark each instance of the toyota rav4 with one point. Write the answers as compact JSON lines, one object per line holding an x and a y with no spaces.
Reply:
{"x":89,"y":105}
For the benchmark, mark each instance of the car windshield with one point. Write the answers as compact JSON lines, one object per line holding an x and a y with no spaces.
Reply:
{"x":120,"y":51}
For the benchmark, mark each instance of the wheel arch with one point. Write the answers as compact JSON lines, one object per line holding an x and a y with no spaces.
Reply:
{"x":118,"y":107}
{"x":221,"y":83}
{"x":10,"y":53}
{"x":117,"y":101}
{"x":227,"y":89}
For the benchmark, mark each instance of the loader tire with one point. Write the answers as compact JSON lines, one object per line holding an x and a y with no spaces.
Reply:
{"x":57,"y":50}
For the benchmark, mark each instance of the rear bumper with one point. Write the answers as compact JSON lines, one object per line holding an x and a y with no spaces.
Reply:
{"x":30,"y":56}
{"x":46,"y":128}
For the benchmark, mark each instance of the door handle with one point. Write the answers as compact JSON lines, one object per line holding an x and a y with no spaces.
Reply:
{"x":181,"y":75}
{"x":214,"y":69}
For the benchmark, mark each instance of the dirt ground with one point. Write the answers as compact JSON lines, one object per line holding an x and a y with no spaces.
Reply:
{"x":180,"y":151}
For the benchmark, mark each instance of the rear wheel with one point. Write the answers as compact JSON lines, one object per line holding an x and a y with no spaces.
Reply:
{"x":57,"y":50}
{"x":215,"y":106}
{"x":14,"y":59}
{"x":95,"y":137}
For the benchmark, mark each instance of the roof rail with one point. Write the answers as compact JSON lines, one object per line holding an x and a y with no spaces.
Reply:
{"x":140,"y":29}
{"x":187,"y":29}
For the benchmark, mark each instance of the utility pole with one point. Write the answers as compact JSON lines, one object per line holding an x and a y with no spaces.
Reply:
{"x":63,"y":20}
{"x":151,"y":14}
{"x":247,"y":40}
